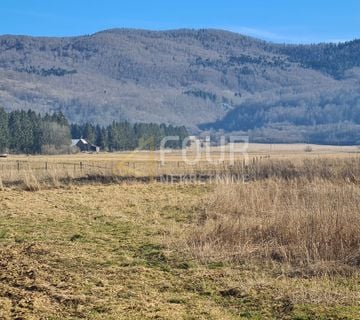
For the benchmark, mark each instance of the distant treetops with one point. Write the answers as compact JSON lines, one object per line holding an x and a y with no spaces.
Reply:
{"x":126,"y":136}
{"x":31,"y":133}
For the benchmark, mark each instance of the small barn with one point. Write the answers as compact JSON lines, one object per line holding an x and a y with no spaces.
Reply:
{"x":84,"y":146}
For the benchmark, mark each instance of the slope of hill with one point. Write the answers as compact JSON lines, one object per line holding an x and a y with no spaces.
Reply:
{"x":179,"y":77}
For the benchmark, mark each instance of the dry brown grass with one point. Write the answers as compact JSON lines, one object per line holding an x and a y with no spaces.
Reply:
{"x":313,"y":225}
{"x":271,"y":239}
{"x":34,"y":173}
{"x":114,"y":252}
{"x":327,"y":168}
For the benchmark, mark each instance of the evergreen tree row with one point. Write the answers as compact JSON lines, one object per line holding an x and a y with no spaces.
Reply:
{"x":126,"y":136}
{"x":31,"y":133}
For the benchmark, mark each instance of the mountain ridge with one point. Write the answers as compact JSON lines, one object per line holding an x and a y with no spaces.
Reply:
{"x":182,"y":76}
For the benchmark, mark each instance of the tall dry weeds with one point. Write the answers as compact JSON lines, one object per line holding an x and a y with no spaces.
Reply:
{"x":30,"y":181}
{"x":297,"y":222}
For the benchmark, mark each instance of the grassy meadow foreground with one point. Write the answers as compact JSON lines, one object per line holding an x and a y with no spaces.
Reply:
{"x":284,"y":244}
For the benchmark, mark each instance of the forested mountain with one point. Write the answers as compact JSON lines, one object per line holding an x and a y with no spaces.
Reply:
{"x":207,"y":79}
{"x":334,"y":59}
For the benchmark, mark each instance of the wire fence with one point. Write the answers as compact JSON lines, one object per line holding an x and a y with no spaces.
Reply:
{"x":36,"y":171}
{"x":118,"y":166}
{"x":34,"y":174}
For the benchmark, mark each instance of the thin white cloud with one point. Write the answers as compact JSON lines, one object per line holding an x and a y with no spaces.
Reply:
{"x":301,"y":35}
{"x":283,"y":38}
{"x":258,"y":33}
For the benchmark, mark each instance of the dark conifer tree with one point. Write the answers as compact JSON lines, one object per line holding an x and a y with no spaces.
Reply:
{"x":4,"y":131}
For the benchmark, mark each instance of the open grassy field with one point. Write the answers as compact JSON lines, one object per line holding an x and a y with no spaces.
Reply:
{"x":253,"y":149}
{"x":35,"y":172}
{"x":283,"y":244}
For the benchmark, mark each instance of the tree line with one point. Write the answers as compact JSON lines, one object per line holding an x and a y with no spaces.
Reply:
{"x":32,"y":133}
{"x":127,"y":136}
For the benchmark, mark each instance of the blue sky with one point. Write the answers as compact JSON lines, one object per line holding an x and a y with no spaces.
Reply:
{"x":294,"y":21}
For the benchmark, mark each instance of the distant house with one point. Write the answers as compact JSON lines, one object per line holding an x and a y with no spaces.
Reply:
{"x":84,"y":146}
